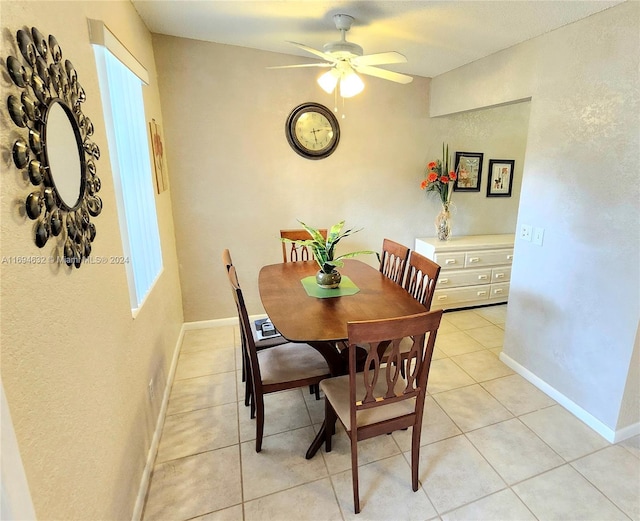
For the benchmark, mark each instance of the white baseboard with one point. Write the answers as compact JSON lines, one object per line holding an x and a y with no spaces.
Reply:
{"x":606,"y":432}
{"x":219,"y":322}
{"x":153,"y":449}
{"x":627,"y":432}
{"x":205,"y":324}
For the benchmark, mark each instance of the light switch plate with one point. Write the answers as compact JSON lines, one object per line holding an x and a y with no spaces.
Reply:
{"x":538,"y":235}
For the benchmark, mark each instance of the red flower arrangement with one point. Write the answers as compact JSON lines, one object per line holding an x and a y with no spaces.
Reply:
{"x":439,"y":178}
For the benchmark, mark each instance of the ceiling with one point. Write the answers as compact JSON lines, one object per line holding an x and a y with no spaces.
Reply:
{"x":435,"y":36}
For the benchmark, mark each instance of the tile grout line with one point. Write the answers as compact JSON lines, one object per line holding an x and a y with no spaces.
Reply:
{"x":464,"y":433}
{"x":238,"y":411}
{"x":565,"y":462}
{"x":593,"y":484}
{"x":324,"y":459}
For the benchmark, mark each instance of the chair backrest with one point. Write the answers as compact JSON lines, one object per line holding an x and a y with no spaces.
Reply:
{"x":245,"y":325}
{"x":291,"y":252}
{"x":383,"y":384}
{"x":422,"y":275}
{"x":226,"y":259}
{"x":393,"y":260}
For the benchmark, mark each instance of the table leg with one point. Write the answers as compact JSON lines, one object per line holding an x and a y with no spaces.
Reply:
{"x":317,"y":441}
{"x":330,"y":352}
{"x":338,"y":365}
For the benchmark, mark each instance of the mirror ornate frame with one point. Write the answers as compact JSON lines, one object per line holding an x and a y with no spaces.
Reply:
{"x":56,"y":151}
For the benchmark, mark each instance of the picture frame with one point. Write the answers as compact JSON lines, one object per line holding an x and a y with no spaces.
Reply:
{"x":159,"y":160}
{"x":469,"y":171}
{"x":500,"y":177}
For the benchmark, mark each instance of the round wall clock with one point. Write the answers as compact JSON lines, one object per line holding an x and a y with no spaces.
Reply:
{"x":312,"y":131}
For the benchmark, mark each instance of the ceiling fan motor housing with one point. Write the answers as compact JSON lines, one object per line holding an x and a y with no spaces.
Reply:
{"x":343,"y":21}
{"x":343,"y":49}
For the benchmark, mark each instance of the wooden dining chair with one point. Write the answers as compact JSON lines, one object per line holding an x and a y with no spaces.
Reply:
{"x":281,"y":367}
{"x":292,"y":252}
{"x":421,"y":279}
{"x":393,"y":260}
{"x":226,"y":258}
{"x":262,"y":343}
{"x":420,"y":282}
{"x":380,"y":400}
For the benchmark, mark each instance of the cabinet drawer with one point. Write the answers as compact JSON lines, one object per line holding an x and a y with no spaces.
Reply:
{"x":499,"y":291}
{"x":449,"y":260}
{"x":475,"y":259}
{"x":502,"y":274}
{"x":456,"y":278}
{"x":445,"y":297}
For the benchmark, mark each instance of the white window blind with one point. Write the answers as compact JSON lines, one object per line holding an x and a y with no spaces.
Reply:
{"x":123,"y":104}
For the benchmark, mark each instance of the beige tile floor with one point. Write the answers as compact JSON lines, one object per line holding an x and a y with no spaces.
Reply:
{"x":493,"y":446}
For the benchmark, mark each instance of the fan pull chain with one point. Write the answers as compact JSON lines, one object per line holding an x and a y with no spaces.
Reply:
{"x":335,"y":104}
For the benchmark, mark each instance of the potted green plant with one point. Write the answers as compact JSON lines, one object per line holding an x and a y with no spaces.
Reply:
{"x":324,"y":252}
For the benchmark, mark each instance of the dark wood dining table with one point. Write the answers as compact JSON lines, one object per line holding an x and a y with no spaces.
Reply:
{"x":322,"y":322}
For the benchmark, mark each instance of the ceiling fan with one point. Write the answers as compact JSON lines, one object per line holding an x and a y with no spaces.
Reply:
{"x":346,"y":59}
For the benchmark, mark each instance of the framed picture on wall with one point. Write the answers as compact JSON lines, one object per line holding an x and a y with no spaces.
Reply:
{"x":500,"y":177}
{"x":162,"y":181}
{"x":469,"y":170}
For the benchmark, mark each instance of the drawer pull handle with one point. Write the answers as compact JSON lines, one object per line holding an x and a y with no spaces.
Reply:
{"x":450,"y":261}
{"x":442,"y":297}
{"x":444,"y":281}
{"x":497,"y":291}
{"x":482,"y":277}
{"x":474,"y":259}
{"x":482,"y":293}
{"x":499,"y":275}
{"x":509,"y":257}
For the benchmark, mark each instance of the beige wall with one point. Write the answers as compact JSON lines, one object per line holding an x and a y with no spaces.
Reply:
{"x":236,"y":182}
{"x":574,"y":304}
{"x":75,"y":364}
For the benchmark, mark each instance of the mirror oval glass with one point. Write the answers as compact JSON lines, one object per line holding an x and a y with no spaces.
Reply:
{"x":63,"y":154}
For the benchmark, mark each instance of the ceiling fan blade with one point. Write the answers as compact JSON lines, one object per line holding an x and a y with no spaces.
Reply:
{"x":311,"y":50}
{"x":301,"y":65}
{"x":380,"y":58}
{"x":384,"y":74}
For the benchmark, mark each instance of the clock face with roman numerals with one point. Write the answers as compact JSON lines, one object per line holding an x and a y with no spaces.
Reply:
{"x":312,"y":131}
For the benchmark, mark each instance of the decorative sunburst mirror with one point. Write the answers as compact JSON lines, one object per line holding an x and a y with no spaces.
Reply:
{"x":55,"y":151}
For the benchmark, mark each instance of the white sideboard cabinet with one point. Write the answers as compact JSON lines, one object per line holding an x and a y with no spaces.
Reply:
{"x":475,"y":270}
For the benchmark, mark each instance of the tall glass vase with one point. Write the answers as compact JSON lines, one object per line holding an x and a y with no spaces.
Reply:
{"x":443,"y":223}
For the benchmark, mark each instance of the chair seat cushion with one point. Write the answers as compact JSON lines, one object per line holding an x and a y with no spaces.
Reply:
{"x":289,"y":362}
{"x":336,"y":390}
{"x":405,"y":346}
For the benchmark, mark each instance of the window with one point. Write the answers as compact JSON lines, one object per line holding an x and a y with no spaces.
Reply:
{"x":123,"y":104}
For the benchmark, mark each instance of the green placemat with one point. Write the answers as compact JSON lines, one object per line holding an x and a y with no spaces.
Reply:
{"x":347,"y":287}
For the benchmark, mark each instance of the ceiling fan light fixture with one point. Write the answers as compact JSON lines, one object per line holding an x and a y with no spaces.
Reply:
{"x":329,"y":80}
{"x":347,"y":62}
{"x":350,"y":85}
